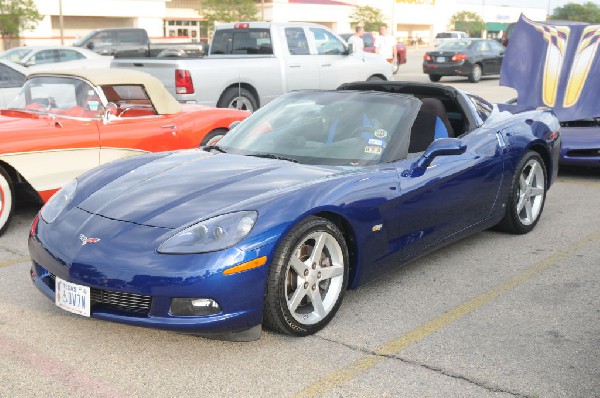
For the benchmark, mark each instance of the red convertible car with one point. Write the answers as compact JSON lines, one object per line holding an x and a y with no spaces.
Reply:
{"x":62,"y":124}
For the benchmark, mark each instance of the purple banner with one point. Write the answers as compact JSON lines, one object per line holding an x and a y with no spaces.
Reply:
{"x":556,"y":65}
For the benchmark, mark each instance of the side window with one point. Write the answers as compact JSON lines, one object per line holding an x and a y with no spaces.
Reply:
{"x":368,"y":40}
{"x":131,"y":37}
{"x":10,"y":77}
{"x":69,"y":55}
{"x":481,"y":107}
{"x":327,"y":43}
{"x":242,"y":41}
{"x":497,"y":47}
{"x":45,"y":57}
{"x":296,"y":41}
{"x":103,"y":39}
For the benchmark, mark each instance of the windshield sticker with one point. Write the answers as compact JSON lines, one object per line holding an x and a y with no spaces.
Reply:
{"x":93,"y":105}
{"x":373,"y":149}
{"x":380,"y":133}
{"x":375,"y":142}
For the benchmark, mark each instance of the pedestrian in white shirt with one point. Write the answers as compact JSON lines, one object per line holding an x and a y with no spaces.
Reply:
{"x":356,"y":40}
{"x":386,"y":45}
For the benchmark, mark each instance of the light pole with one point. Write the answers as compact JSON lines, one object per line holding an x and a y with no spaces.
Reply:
{"x":60,"y":23}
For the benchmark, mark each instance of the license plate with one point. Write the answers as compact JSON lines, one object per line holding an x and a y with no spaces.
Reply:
{"x":72,"y":297}
{"x":440,"y":59}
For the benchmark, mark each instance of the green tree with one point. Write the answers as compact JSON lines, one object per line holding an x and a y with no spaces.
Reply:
{"x":588,"y":12}
{"x":467,"y":21}
{"x":229,"y":10}
{"x":370,"y":18}
{"x":16,"y":16}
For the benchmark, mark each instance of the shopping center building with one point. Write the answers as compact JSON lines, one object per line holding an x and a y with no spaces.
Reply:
{"x":410,"y":20}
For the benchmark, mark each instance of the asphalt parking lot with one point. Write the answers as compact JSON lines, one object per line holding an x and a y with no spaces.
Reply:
{"x":494,"y":315}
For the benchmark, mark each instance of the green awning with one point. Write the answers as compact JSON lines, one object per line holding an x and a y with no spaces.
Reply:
{"x":496,"y":26}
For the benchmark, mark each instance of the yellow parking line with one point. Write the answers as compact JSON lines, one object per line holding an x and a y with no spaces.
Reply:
{"x":14,"y":261}
{"x":362,"y":365}
{"x":585,"y":183}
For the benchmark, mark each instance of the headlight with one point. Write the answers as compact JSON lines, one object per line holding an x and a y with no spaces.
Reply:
{"x":210,"y":235}
{"x":58,"y":202}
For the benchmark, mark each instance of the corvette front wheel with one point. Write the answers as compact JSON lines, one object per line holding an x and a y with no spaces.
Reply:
{"x":7,"y":200}
{"x":307,"y":279}
{"x":527,"y":195}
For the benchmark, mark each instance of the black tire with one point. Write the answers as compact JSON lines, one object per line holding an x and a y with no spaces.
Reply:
{"x":283,"y":278}
{"x":521,"y":221}
{"x":435,"y":78}
{"x":213,"y":135}
{"x":7,"y":200}
{"x":238,"y":98}
{"x":475,"y":75}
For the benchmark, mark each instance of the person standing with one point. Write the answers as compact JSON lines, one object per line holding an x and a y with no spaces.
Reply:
{"x":386,"y":45}
{"x":358,"y":45}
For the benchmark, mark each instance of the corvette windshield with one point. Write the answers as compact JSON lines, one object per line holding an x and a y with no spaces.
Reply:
{"x":327,"y":127}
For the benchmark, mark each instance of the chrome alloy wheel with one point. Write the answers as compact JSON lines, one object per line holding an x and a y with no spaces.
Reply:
{"x":314,"y":277}
{"x":531,"y":192}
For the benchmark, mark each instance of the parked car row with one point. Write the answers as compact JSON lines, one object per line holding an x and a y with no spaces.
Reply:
{"x":223,"y":239}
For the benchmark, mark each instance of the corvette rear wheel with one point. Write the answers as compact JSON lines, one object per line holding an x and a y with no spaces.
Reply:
{"x":7,"y":200}
{"x":307,"y":279}
{"x":527,"y":195}
{"x":213,"y":137}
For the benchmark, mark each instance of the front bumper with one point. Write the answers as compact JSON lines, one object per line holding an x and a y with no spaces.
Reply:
{"x":141,"y":282}
{"x":580,"y":157}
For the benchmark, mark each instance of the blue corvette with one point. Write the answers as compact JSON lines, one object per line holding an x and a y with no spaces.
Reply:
{"x":317,"y":192}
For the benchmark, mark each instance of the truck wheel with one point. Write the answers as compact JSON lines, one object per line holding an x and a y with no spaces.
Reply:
{"x":435,"y":78}
{"x":238,"y":98}
{"x":7,"y":200}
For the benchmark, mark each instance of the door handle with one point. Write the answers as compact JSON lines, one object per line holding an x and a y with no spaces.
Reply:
{"x":294,"y":65}
{"x":169,"y":126}
{"x":325,"y":64}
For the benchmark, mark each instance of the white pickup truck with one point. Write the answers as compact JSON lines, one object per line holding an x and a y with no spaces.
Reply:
{"x":251,"y":63}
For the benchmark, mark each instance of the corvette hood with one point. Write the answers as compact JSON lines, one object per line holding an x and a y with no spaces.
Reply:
{"x":191,"y":185}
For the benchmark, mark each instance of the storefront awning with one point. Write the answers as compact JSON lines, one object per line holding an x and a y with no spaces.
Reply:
{"x":495,"y":26}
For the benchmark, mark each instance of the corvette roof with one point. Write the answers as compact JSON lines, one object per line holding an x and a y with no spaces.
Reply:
{"x":162,"y":100}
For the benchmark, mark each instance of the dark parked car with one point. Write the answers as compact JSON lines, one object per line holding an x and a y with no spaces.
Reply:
{"x":134,"y":42}
{"x":472,"y":58}
{"x":369,"y":41}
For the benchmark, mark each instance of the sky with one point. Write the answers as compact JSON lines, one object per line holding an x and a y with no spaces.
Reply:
{"x":548,"y":4}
